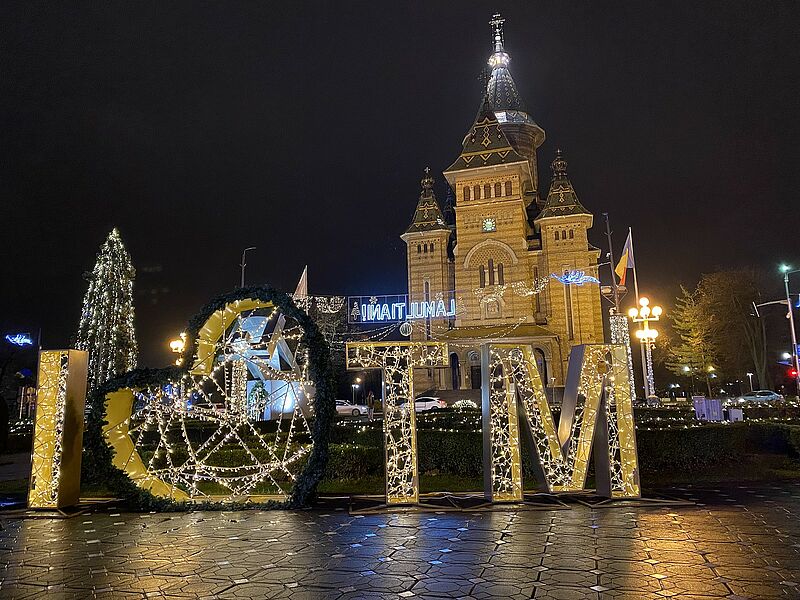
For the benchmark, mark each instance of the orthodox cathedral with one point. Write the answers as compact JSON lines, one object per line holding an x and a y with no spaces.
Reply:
{"x":516,"y":263}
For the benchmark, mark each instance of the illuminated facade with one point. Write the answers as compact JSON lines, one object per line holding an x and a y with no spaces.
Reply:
{"x":500,"y":255}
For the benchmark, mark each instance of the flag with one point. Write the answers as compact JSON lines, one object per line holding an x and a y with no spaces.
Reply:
{"x":626,"y":260}
{"x":302,"y":285}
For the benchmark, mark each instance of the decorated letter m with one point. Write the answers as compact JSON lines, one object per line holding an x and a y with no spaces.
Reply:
{"x":596,"y":414}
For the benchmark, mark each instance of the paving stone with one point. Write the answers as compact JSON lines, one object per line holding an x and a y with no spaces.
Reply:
{"x":738,"y":542}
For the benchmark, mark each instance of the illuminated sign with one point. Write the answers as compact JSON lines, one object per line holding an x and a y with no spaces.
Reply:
{"x":575,"y":278}
{"x":388,"y":309}
{"x":20,"y":339}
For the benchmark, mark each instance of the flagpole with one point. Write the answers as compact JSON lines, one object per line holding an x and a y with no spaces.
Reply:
{"x":647,"y":392}
{"x":635,"y":281}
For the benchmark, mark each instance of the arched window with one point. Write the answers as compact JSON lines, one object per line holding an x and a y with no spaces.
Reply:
{"x":500,"y":278}
{"x":467,"y":193}
{"x":571,"y":234}
{"x":498,"y":191}
{"x":425,"y":249}
{"x":477,"y":192}
{"x":491,"y":272}
{"x":563,"y":235}
{"x":508,"y":188}
{"x":487,"y":190}
{"x":431,"y":247}
{"x":556,"y":236}
{"x":482,"y":275}
{"x":419,"y":249}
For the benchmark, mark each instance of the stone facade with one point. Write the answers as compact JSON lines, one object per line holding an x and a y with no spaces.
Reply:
{"x":498,"y":255}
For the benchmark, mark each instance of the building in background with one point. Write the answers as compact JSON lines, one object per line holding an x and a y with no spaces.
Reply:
{"x":517,"y":263}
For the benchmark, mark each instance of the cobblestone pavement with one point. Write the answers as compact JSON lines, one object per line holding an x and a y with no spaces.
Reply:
{"x":740,"y":542}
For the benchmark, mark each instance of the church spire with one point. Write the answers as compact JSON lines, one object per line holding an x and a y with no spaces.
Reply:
{"x":428,"y":216}
{"x":497,"y":31}
{"x":561,"y":200}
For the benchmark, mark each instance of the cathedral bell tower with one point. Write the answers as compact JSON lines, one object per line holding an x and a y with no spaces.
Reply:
{"x":563,"y":226}
{"x":430,"y":272}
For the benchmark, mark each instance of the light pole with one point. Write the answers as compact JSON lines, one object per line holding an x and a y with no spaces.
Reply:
{"x":787,"y":270}
{"x":750,"y":377}
{"x":647,"y":336}
{"x":243,"y":263}
{"x":355,"y":387}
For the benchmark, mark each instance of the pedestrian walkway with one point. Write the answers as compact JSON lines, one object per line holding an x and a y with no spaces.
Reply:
{"x":738,"y":542}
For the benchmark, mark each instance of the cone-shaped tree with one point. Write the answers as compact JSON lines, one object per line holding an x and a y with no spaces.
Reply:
{"x":106,"y":329}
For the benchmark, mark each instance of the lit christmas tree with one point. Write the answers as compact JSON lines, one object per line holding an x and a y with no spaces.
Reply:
{"x":106,"y":329}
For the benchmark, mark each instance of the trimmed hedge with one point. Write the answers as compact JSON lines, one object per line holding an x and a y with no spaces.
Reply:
{"x":457,"y":453}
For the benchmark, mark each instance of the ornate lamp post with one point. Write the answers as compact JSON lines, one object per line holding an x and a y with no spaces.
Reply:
{"x":647,"y":336}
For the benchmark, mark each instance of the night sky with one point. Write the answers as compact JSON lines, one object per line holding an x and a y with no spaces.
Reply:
{"x":303,"y":128}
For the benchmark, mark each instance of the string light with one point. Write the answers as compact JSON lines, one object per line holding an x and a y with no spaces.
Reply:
{"x":601,"y":373}
{"x":397,"y":361}
{"x":253,"y":373}
{"x":106,"y":328}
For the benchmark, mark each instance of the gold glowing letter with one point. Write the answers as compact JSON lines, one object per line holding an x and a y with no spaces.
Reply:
{"x":397,"y":361}
{"x":58,"y":430}
{"x":597,"y":409}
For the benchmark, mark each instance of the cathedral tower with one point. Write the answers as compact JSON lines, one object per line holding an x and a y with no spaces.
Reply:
{"x":521,"y":268}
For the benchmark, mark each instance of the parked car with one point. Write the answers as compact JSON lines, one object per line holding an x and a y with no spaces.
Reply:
{"x":343,"y":407}
{"x":425,"y":403}
{"x":758,"y":396}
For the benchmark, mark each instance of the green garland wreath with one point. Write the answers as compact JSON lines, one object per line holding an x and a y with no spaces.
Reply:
{"x":98,"y":470}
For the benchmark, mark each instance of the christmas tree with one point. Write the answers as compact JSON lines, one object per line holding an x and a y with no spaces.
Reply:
{"x":106,"y":328}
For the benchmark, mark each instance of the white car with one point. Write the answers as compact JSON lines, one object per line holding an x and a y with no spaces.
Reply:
{"x":424,"y":403}
{"x":343,"y":407}
{"x":758,"y":396}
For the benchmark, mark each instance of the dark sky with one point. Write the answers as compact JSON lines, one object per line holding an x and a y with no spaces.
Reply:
{"x":200,"y":128}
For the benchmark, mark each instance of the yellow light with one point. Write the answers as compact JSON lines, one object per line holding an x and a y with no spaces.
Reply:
{"x":645,"y":311}
{"x":633,"y":313}
{"x":644,"y":301}
{"x":657,"y":310}
{"x":640,"y":333}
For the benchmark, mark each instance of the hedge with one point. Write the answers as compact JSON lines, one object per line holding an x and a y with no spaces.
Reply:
{"x":357,"y":454}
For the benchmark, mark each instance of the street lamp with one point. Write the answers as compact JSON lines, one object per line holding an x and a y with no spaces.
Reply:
{"x":750,"y":377}
{"x":178,"y":346}
{"x":787,"y":270}
{"x":647,"y":336}
{"x":355,"y":386}
{"x":243,"y":263}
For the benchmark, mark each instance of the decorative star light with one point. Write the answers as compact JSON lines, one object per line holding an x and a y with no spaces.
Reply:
{"x":19,"y":339}
{"x":575,"y":278}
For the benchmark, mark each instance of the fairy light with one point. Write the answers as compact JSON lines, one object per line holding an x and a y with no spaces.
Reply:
{"x":106,"y":328}
{"x":215,"y":394}
{"x":601,"y":374}
{"x":397,"y":361}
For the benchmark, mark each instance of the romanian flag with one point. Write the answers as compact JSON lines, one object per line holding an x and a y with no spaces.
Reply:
{"x":626,"y":260}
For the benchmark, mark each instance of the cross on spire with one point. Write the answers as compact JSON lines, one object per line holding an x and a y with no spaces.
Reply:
{"x":497,"y":31}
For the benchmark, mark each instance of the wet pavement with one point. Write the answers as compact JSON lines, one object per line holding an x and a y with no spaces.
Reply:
{"x":737,"y":542}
